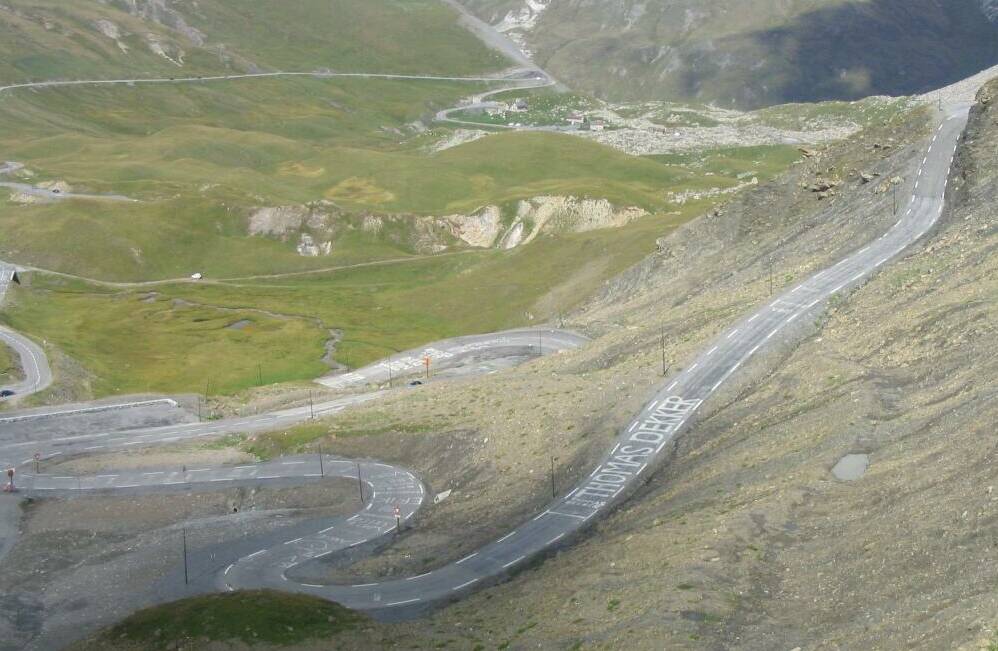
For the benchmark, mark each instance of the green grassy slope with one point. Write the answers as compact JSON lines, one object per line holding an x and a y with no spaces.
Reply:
{"x":47,"y":39}
{"x":131,"y":340}
{"x":201,"y":157}
{"x":252,"y":617}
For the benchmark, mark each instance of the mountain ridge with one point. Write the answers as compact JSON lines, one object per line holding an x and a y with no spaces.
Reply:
{"x":752,"y":53}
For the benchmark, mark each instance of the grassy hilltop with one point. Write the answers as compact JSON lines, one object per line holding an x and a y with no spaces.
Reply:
{"x":54,"y":39}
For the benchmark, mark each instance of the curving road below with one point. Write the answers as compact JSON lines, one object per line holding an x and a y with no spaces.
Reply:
{"x":34,"y":363}
{"x":452,"y":354}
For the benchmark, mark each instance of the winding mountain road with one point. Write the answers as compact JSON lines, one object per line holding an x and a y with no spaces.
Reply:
{"x":283,"y":559}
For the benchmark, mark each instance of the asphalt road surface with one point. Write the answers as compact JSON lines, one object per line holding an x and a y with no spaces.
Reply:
{"x":454,"y":353}
{"x":250,"y":75}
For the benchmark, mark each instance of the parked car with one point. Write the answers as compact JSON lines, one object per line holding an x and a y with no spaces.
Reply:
{"x":6,"y":393}
{"x":415,"y":383}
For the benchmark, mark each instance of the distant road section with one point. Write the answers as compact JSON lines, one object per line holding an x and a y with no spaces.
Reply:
{"x":452,"y":354}
{"x":250,"y":75}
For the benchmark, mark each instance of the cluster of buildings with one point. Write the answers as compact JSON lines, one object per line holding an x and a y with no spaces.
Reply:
{"x":576,"y":119}
{"x":586,"y":123}
{"x":503,"y":109}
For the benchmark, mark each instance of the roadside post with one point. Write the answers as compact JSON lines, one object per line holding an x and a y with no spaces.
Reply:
{"x":186,"y":574}
{"x":664,"y":368}
{"x":360,"y":484}
{"x":311,"y":406}
{"x":426,"y":362}
{"x":398,"y":520}
{"x":37,"y":458}
{"x":322,"y":471}
{"x":770,"y":274}
{"x":9,"y":488}
{"x":552,"y":477}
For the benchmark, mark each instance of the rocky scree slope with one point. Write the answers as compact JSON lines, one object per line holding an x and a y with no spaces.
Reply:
{"x":751,"y":53}
{"x":317,"y":227}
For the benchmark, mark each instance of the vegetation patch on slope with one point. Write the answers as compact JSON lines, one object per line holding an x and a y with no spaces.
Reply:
{"x":149,"y":342}
{"x":257,"y":616}
{"x":10,"y":367}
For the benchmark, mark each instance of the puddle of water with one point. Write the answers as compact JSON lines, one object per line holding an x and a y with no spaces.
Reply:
{"x":851,"y":467}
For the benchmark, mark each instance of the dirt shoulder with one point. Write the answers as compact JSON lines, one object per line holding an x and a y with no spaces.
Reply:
{"x":10,"y":366}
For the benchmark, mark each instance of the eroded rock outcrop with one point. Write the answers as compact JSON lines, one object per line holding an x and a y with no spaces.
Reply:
{"x":315,"y":227}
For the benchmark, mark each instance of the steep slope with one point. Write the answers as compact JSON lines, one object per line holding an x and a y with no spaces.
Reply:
{"x":750,"y":53}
